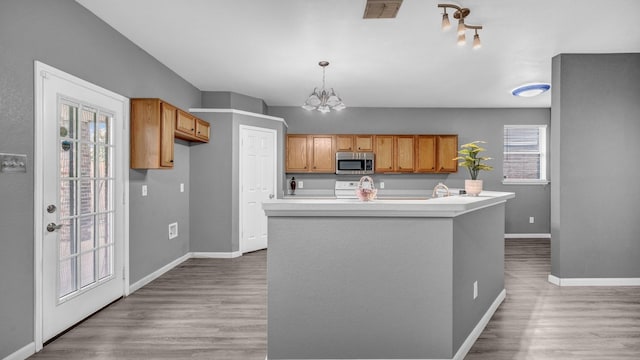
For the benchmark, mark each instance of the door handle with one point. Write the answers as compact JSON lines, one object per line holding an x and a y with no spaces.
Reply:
{"x":271,"y":196}
{"x":51,"y":227}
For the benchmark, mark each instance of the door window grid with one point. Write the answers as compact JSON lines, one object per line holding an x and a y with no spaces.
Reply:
{"x":525,"y":156}
{"x":84,"y":175}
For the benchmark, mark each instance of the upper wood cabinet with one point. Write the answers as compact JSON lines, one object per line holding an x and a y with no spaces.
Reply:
{"x":394,"y":153}
{"x":152,"y":132}
{"x":363,"y":142}
{"x":203,"y":130}
{"x":425,"y":153}
{"x":447,"y":146}
{"x":190,"y":128}
{"x":154,"y":125}
{"x":384,"y":153}
{"x":311,"y":153}
{"x":404,"y":153}
{"x":355,"y":143}
{"x":435,"y":153}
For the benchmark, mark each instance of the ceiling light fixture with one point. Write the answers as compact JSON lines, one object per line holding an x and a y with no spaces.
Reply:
{"x":322,"y":100}
{"x":460,"y":14}
{"x":531,"y":89}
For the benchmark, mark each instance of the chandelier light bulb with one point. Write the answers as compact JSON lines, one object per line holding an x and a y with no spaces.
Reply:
{"x":446,"y":24}
{"x":476,"y":41}
{"x":461,"y":27}
{"x":462,"y":40}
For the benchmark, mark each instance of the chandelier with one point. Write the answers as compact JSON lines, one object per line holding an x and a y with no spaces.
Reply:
{"x":460,"y":14}
{"x":323,"y":100}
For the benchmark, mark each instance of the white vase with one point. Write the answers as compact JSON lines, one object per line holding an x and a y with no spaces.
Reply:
{"x":473,"y":187}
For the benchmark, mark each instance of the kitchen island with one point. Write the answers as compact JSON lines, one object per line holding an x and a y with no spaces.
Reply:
{"x":386,"y":279}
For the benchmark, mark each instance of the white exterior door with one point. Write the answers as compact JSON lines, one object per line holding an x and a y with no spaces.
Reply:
{"x":258,"y":183}
{"x":81,"y":210}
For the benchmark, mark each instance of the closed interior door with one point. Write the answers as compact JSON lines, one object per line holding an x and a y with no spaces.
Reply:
{"x":257,"y":176}
{"x":82,"y":245}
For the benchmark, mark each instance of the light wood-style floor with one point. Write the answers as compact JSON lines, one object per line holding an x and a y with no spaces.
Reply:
{"x":216,"y":309}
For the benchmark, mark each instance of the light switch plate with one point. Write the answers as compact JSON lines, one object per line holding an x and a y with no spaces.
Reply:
{"x":181,"y":187}
{"x":144,"y":190}
{"x":13,"y":163}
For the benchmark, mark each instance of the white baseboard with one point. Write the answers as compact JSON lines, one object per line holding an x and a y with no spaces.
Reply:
{"x":475,"y":333}
{"x":156,"y":274}
{"x":527,"y":236}
{"x":23,"y":352}
{"x":216,"y":255}
{"x":593,"y":281}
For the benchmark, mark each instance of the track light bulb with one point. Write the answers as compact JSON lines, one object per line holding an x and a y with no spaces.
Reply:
{"x":461,"y":27}
{"x":462,"y":40}
{"x":446,"y":25}
{"x":476,"y":41}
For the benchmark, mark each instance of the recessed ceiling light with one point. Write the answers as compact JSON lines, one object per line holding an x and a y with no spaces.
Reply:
{"x":532,"y":89}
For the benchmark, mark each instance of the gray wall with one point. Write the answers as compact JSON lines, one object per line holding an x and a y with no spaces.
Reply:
{"x":595,"y":228}
{"x":65,"y":35}
{"x":469,"y":124}
{"x":231,"y":100}
{"x":215,"y":181}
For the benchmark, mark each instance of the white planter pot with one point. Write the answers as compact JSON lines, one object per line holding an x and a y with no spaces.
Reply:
{"x":473,"y":187}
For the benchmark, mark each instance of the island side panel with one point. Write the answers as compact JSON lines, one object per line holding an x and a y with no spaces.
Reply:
{"x":354,"y":287}
{"x":478,"y":255}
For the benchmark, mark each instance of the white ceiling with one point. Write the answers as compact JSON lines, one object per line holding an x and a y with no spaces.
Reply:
{"x":270,"y":49}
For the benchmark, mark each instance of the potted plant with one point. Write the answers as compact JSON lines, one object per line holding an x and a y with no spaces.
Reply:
{"x":469,"y":157}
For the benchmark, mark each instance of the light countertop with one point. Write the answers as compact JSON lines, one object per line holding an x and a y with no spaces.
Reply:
{"x":449,"y":206}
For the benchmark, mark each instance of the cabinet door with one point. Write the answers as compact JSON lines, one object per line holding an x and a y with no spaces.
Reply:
{"x":364,"y":143}
{"x":344,"y":143}
{"x":425,"y":153}
{"x":323,"y":155}
{"x":202,"y":130}
{"x":404,"y":152}
{"x":297,"y":153}
{"x":447,"y":151}
{"x":186,"y":123}
{"x":384,"y":153}
{"x":168,"y":120}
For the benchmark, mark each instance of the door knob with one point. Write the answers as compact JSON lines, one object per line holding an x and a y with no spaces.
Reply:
{"x":51,"y":227}
{"x":51,"y":209}
{"x":271,"y":196}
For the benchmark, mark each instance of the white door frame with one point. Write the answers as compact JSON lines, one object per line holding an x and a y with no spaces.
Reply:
{"x":240,"y":174}
{"x":41,"y":72}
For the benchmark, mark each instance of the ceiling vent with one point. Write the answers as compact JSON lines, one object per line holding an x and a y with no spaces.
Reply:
{"x":382,"y":9}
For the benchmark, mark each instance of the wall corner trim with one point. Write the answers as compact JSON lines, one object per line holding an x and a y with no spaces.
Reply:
{"x":239,"y":112}
{"x":528,"y":236}
{"x":23,"y":352}
{"x":477,"y":330}
{"x":593,"y":281}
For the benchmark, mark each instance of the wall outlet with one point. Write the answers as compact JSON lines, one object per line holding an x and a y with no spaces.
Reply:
{"x":300,"y":184}
{"x":173,"y":230}
{"x":144,"y":190}
{"x":181,"y":187}
{"x":381,"y":184}
{"x":531,"y":219}
{"x":475,"y":290}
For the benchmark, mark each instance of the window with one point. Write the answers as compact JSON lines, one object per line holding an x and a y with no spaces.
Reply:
{"x":525,"y":154}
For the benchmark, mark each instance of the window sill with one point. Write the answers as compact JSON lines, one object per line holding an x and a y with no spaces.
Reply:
{"x":525,"y":182}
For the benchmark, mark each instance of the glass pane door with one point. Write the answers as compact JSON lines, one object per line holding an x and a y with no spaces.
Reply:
{"x":86,"y":181}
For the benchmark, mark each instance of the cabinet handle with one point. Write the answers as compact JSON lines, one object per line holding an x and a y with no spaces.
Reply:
{"x":170,"y":160}
{"x":389,"y":167}
{"x":314,"y":167}
{"x":192,"y":129}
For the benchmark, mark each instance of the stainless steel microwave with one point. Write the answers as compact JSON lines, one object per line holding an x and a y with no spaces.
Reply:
{"x":360,"y":163}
